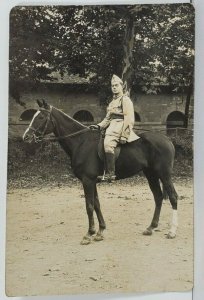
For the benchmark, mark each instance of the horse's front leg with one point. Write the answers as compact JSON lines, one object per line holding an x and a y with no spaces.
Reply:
{"x":102,"y":225}
{"x":89,"y":191}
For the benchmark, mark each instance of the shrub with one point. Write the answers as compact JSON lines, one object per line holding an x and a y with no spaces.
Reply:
{"x":44,"y":162}
{"x":184,"y":146}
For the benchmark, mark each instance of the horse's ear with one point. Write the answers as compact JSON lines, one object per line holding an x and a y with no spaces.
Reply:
{"x":46,"y":106}
{"x":40,"y":104}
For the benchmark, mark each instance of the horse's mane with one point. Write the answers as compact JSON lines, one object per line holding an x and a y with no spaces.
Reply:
{"x":66,"y":116}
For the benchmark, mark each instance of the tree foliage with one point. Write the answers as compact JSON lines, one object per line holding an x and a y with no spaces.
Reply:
{"x":149,"y":45}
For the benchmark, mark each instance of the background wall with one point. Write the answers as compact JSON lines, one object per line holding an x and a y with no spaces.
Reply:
{"x":151,"y":111}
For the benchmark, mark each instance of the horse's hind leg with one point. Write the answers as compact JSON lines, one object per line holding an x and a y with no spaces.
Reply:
{"x":102,"y":225}
{"x":154,"y":185}
{"x":168,"y":184}
{"x":89,"y":191}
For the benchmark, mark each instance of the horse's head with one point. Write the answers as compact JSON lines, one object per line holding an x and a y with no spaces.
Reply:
{"x":40,"y":125}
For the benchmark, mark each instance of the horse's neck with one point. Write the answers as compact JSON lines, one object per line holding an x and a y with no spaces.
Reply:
{"x":65,"y":125}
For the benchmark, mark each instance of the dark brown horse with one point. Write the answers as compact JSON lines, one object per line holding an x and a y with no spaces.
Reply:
{"x":153,"y":153}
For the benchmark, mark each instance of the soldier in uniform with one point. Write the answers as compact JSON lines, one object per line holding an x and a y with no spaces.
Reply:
{"x":118,"y":124}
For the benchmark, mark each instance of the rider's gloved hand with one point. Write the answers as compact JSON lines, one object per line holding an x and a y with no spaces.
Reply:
{"x":123,"y":140}
{"x":96,"y":127}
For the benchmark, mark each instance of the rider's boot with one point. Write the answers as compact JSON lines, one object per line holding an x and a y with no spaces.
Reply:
{"x":110,"y":168}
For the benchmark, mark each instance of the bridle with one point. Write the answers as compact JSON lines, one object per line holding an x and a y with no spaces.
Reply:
{"x":38,"y":135}
{"x":41,"y":134}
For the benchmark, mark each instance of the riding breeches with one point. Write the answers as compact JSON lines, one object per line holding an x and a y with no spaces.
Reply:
{"x":110,"y":143}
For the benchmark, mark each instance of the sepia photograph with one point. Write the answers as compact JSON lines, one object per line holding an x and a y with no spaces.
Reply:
{"x":100,"y":149}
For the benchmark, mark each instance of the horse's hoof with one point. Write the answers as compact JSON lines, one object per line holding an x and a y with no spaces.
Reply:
{"x":92,"y":232}
{"x":98,"y":238}
{"x":171,"y":235}
{"x":86,"y":240}
{"x":148,"y":231}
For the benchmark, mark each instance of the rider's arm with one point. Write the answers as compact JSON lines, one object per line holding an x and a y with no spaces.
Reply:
{"x":129,"y":117}
{"x":106,"y":121}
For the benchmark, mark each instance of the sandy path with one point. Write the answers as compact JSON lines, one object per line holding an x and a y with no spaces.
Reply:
{"x":45,"y":227}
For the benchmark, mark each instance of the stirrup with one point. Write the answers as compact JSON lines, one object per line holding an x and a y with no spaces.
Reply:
{"x":100,"y":179}
{"x":106,"y":178}
{"x":110,"y":178}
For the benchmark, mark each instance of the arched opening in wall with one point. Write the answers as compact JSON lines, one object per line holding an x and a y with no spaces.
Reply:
{"x":27,"y":115}
{"x":83,"y":116}
{"x":137,"y":117}
{"x":175,"y":120}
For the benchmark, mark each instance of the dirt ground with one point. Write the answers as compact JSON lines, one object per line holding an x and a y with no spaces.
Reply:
{"x":45,"y":226}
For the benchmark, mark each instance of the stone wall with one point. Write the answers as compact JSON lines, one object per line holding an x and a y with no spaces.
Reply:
{"x":70,"y":101}
{"x":155,"y":109}
{"x":152,"y":109}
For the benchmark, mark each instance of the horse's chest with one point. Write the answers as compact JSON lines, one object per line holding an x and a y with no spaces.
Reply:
{"x":85,"y":161}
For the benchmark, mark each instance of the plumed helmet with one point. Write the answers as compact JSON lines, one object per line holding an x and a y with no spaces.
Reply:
{"x":116,"y":79}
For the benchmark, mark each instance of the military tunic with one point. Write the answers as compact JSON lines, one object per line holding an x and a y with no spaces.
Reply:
{"x":118,"y":122}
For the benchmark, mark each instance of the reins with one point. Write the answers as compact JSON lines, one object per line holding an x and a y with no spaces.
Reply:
{"x":54,"y":138}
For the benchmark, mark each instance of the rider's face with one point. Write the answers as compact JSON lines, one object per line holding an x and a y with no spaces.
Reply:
{"x":116,"y":88}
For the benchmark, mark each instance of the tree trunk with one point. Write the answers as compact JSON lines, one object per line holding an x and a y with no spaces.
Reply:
{"x":128,"y":45}
{"x":187,"y":106}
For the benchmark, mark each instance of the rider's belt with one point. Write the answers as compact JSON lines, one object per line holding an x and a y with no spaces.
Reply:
{"x":117,"y":116}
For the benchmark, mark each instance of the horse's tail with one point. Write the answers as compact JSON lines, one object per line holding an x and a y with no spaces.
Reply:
{"x":164,"y":192}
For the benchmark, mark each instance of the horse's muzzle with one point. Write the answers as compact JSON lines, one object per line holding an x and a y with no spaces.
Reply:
{"x":32,"y":138}
{"x":28,"y":138}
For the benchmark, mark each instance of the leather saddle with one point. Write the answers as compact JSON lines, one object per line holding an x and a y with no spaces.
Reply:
{"x":101,"y":151}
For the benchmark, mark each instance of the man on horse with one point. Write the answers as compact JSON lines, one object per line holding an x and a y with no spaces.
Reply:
{"x":118,"y":125}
